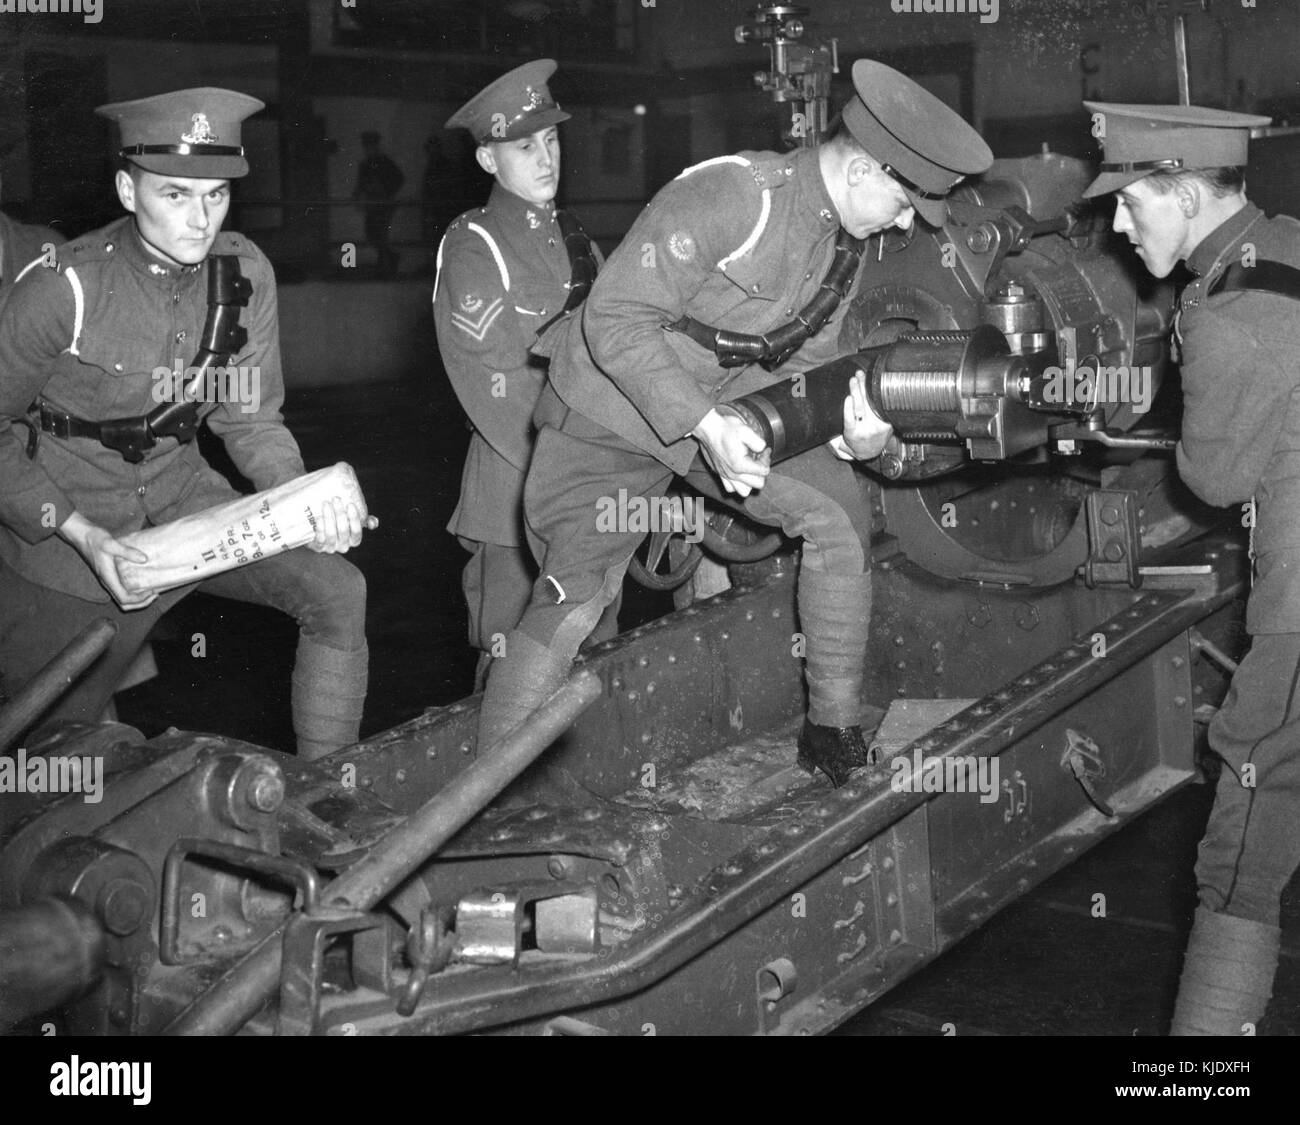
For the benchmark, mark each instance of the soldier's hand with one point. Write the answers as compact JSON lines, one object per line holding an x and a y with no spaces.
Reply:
{"x":101,"y":552}
{"x":734,"y":451}
{"x":340,"y":527}
{"x":865,"y":432}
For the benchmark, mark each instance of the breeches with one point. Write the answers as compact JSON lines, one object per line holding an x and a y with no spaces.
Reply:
{"x":324,"y":593}
{"x":497,"y":582}
{"x":1251,"y":846}
{"x":582,"y":474}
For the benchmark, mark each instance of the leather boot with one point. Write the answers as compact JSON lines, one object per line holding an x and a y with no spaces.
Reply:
{"x":519,"y":682}
{"x":834,"y":616}
{"x":327,"y":697}
{"x":1227,"y":975}
{"x":836,"y":751}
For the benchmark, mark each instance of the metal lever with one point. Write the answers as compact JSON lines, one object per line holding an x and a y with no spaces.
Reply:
{"x":1083,"y":759}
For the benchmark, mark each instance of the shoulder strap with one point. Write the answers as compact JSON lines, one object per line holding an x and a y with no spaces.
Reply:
{"x":1264,"y":276}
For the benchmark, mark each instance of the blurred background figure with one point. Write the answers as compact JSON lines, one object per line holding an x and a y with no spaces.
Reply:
{"x":378,"y":182}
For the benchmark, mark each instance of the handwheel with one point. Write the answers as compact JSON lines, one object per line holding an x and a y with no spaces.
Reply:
{"x":726,"y":535}
{"x":656,"y":571}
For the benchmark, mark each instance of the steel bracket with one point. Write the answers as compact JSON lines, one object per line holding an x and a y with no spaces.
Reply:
{"x":1114,"y":538}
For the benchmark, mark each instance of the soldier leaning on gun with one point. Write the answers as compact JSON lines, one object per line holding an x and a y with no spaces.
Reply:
{"x":735,"y":276}
{"x":80,"y":342}
{"x":1178,"y":172}
{"x":507,"y":272}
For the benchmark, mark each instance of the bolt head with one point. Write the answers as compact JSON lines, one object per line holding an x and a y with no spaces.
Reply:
{"x":124,"y":906}
{"x":266,"y":793}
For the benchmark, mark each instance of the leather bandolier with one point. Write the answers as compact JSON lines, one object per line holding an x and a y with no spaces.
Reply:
{"x":582,"y":264}
{"x":1265,"y":276}
{"x":771,"y":349}
{"x":132,"y":437}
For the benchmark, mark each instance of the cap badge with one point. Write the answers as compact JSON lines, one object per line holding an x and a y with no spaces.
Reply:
{"x":534,"y":99}
{"x":200,"y":131}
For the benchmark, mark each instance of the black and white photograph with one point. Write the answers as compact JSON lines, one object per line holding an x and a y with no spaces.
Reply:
{"x":651,"y":518}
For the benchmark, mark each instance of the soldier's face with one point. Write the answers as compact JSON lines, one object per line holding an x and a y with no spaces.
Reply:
{"x":178,"y":217}
{"x":529,"y":166}
{"x":1155,"y":223}
{"x":874,"y":201}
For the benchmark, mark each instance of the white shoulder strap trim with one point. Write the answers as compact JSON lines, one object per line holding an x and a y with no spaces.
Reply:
{"x":754,"y":235}
{"x":437,"y":266}
{"x":713,"y":161}
{"x":79,"y":319}
{"x":24,"y":271}
{"x":496,"y":253}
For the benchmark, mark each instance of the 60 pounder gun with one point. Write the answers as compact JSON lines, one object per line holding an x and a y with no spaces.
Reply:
{"x":956,"y":387}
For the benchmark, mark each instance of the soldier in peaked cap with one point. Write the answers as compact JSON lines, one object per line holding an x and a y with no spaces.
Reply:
{"x":91,"y":447}
{"x":507,"y":271}
{"x":739,"y":250}
{"x":1178,"y":176}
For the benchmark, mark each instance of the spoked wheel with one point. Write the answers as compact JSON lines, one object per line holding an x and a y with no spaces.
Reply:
{"x":656,"y":567}
{"x":666,"y":559}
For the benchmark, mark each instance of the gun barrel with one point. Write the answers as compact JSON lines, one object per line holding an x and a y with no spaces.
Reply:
{"x":930,"y":386}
